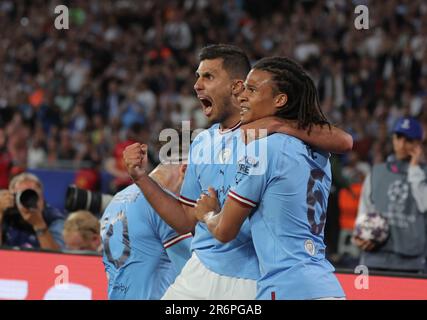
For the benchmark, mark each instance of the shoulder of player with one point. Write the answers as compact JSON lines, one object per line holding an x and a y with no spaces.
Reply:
{"x":267,"y":149}
{"x":130,"y":195}
{"x":204,"y":134}
{"x":282,"y":142}
{"x":285,"y":149}
{"x":129,"y":190}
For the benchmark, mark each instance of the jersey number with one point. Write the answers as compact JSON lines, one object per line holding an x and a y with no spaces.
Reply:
{"x":126,"y":242}
{"x":314,"y":196}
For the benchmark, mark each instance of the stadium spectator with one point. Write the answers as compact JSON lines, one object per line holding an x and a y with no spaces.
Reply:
{"x":332,"y":226}
{"x":39,"y":227}
{"x":348,"y":201}
{"x":5,"y":161}
{"x":82,"y":232}
{"x":115,"y":164}
{"x":37,"y":154}
{"x":397,"y":190}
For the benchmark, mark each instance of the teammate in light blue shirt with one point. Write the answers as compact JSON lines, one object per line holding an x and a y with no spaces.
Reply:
{"x":284,"y":191}
{"x":211,"y":163}
{"x":287,"y":226}
{"x":142,"y":254}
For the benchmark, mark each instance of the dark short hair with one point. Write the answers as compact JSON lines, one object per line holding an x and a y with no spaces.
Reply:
{"x":234,"y":60}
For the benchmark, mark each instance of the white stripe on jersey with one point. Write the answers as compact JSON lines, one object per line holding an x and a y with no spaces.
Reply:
{"x":187,"y":201}
{"x":176,"y":239}
{"x":242,"y":200}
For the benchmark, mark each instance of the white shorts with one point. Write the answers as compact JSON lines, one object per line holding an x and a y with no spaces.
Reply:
{"x":196,"y":282}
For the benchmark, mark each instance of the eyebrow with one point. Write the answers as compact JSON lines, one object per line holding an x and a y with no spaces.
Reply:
{"x":203,"y":74}
{"x":260,"y":84}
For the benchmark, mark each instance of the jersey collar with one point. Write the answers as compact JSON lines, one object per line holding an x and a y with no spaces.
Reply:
{"x":236,"y":126}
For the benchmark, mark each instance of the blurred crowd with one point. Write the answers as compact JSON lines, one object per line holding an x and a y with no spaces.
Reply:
{"x":124,"y":70}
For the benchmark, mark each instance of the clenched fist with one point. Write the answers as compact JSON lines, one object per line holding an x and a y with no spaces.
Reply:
{"x":135,"y":157}
{"x":207,"y":203}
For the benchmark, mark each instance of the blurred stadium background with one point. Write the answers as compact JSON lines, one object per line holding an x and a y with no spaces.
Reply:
{"x":71,"y":100}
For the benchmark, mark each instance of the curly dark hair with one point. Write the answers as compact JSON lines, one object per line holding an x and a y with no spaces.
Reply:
{"x":303,"y":101}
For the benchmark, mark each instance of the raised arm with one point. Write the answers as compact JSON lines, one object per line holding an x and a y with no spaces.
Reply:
{"x":224,"y":224}
{"x":417,"y":179}
{"x":330,"y":139}
{"x":169,"y":208}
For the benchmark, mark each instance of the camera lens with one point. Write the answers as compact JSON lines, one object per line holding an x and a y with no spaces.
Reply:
{"x":28,"y":198}
{"x":80,"y":199}
{"x":75,"y":198}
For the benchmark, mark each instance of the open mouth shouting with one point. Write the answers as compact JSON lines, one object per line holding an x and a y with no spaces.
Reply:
{"x":207,"y":105}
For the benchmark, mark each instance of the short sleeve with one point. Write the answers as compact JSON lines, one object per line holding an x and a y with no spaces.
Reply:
{"x":253,"y":174}
{"x":191,"y":189}
{"x":177,"y":246}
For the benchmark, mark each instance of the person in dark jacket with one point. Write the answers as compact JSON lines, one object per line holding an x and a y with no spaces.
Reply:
{"x":33,"y":224}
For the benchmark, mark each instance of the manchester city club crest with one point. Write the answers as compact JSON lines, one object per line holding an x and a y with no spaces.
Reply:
{"x":310,"y":247}
{"x":224,"y":155}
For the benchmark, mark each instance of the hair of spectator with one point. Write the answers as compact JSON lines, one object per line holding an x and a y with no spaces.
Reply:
{"x":234,"y":60}
{"x":303,"y":101}
{"x":26,"y":176}
{"x":83,"y":222}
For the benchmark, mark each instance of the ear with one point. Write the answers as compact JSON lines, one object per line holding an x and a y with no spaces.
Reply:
{"x":182,"y":169}
{"x":280,"y":100}
{"x":237,"y":87}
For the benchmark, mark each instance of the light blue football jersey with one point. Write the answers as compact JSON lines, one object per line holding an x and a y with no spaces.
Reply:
{"x":212,"y":163}
{"x":289,"y":191}
{"x":142,"y":255}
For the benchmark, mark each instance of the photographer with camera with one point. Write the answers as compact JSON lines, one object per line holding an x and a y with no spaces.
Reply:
{"x":26,"y":220}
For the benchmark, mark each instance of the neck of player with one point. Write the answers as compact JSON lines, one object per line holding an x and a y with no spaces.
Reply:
{"x":230,"y":122}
